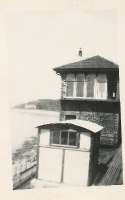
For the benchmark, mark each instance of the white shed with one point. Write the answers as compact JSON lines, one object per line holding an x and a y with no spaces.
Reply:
{"x":68,"y":152}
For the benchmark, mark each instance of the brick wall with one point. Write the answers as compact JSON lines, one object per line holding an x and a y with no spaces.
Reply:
{"x":110,"y":122}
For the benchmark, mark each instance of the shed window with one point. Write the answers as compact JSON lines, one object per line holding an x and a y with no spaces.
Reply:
{"x":68,"y":117}
{"x":65,"y":138}
{"x":55,"y":138}
{"x":72,"y":139}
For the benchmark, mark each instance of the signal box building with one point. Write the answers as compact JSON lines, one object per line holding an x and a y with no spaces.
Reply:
{"x":90,"y":91}
{"x":89,"y":117}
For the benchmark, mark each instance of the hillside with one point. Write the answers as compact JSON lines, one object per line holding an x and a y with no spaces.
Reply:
{"x":42,"y":104}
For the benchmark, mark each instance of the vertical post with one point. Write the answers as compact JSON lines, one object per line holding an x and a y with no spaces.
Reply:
{"x":91,"y":163}
{"x":63,"y":86}
{"x":68,"y":138}
{"x":63,"y":160}
{"x":38,"y":142}
{"x":85,"y":88}
{"x":74,"y":86}
{"x":59,"y":137}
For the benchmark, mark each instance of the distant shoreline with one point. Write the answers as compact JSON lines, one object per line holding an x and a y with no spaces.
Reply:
{"x":37,"y":111}
{"x":41,"y":104}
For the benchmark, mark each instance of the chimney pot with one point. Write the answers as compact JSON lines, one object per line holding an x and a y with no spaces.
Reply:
{"x":80,"y":52}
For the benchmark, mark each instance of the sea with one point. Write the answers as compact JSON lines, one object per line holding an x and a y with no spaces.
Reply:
{"x":23,"y":123}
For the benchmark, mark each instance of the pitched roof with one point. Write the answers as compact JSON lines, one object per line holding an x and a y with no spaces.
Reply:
{"x":82,"y":124}
{"x":95,"y":62}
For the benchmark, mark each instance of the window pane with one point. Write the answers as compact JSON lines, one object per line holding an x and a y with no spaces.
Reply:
{"x":79,"y":89}
{"x":68,"y":117}
{"x":69,"y":89}
{"x":90,"y":79}
{"x":56,"y":135}
{"x":64,"y":137}
{"x":80,"y":77}
{"x":101,"y":78}
{"x":72,"y":138}
{"x":80,"y":84}
{"x":101,"y":90}
{"x":101,"y":86}
{"x":70,"y":77}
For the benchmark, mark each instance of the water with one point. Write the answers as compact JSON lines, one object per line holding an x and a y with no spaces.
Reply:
{"x":23,"y":123}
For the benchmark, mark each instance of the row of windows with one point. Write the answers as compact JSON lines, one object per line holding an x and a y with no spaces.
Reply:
{"x":64,"y":138}
{"x":88,"y":86}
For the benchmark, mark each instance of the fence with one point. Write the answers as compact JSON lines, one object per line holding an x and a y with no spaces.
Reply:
{"x":23,"y":171}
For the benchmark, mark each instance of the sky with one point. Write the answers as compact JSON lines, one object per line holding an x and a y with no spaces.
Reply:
{"x":38,"y":41}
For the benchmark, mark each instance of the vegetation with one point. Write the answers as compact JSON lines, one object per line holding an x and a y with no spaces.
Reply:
{"x":25,"y":150}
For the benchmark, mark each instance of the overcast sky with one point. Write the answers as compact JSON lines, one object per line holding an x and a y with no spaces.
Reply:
{"x":39,"y":41}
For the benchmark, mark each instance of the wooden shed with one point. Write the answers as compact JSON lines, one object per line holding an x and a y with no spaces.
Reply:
{"x":68,"y":151}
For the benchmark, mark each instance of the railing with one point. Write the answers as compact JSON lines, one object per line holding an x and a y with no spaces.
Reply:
{"x":23,"y":171}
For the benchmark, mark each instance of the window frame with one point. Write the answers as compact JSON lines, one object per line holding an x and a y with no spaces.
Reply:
{"x":96,"y":84}
{"x":70,"y":117}
{"x":77,"y":142}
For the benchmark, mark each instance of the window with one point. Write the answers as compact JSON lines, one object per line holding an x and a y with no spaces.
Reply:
{"x":90,"y":81}
{"x":70,"y":85}
{"x":80,"y":85}
{"x":101,"y":86}
{"x":75,"y":85}
{"x":86,"y":85}
{"x":55,"y":138}
{"x":65,"y":138}
{"x":72,"y":138}
{"x":68,"y":117}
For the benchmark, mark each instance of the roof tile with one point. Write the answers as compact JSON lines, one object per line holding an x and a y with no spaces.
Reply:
{"x":94,"y":62}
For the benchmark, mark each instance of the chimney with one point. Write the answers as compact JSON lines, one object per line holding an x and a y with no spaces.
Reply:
{"x":80,"y":52}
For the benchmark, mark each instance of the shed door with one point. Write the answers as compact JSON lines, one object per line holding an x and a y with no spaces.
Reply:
{"x":50,"y":164}
{"x":67,"y":166}
{"x":76,"y":167}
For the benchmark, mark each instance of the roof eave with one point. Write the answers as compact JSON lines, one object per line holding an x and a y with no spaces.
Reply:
{"x":77,"y":124}
{"x":64,"y":70}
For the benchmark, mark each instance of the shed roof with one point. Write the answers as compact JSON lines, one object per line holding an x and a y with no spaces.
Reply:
{"x":95,"y":62}
{"x":82,"y":124}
